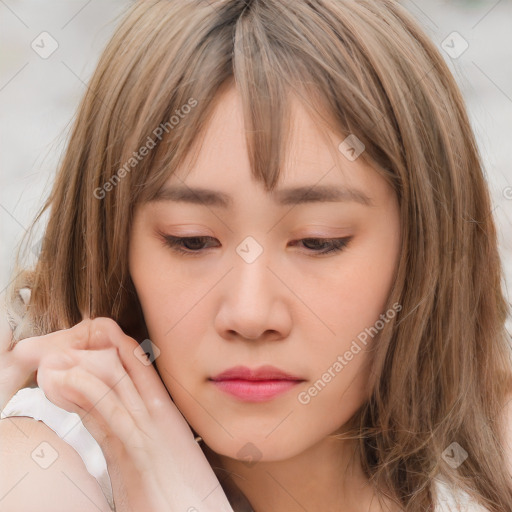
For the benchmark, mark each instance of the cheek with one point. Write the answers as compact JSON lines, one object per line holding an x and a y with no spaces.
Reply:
{"x":180,"y":331}
{"x":356,"y":292}
{"x":158,"y":284}
{"x":339,"y":389}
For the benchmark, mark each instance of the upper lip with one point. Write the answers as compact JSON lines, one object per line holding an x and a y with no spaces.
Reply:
{"x":266,"y":372}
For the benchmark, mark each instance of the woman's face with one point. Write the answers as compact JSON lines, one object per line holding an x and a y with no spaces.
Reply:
{"x":253,"y":292}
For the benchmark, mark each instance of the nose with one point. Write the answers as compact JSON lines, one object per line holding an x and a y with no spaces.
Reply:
{"x":255,"y":303}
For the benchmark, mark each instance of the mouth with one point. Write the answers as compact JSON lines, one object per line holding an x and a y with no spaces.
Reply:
{"x":255,"y":390}
{"x":255,"y":385}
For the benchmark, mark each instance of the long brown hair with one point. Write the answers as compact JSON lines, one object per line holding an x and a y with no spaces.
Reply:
{"x":442,"y":367}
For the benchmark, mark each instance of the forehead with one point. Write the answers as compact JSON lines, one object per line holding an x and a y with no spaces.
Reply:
{"x":311,"y":146}
{"x":217,"y":171}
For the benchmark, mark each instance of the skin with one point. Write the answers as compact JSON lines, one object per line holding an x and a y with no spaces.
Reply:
{"x":290,"y":308}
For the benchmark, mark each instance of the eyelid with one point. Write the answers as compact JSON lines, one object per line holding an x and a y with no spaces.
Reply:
{"x":307,"y":236}
{"x":338,"y":245}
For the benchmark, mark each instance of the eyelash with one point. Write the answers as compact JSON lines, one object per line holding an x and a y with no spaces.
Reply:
{"x":176,"y":244}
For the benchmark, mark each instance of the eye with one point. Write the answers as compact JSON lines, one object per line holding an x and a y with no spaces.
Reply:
{"x":188,"y":245}
{"x":194,"y":245}
{"x":333,"y":244}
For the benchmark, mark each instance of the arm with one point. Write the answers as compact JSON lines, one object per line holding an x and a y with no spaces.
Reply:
{"x":24,"y":483}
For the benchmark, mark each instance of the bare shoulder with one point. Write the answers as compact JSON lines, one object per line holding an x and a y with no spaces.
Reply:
{"x":41,"y":472}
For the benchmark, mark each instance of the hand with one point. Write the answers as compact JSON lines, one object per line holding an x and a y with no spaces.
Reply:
{"x":152,"y":458}
{"x":18,"y":367}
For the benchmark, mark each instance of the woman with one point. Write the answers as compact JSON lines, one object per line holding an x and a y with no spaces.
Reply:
{"x":316,"y":205}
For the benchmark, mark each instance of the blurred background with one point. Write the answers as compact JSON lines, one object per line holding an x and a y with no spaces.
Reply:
{"x":49,"y":50}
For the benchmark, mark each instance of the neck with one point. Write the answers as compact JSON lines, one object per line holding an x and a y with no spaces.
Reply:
{"x":326,"y":476}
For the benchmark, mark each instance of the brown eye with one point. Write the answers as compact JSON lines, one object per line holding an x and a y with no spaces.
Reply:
{"x":189,"y":245}
{"x":323,"y":246}
{"x":195,"y":245}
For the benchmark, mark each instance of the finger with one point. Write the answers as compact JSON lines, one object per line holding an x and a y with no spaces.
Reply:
{"x":112,"y":447}
{"x":29,"y":352}
{"x":78,"y":391}
{"x":91,"y":334}
{"x":105,"y":365}
{"x":96,"y":334}
{"x":145,"y":378}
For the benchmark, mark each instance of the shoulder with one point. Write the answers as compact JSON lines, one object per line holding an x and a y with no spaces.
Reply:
{"x":39,"y":471}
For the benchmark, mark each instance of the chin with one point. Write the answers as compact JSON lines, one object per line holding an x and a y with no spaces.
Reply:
{"x":253,"y":450}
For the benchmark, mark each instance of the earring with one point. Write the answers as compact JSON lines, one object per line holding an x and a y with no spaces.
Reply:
{"x":198,"y":439}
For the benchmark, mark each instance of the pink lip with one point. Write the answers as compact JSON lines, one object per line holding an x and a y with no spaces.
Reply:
{"x":255,"y":391}
{"x":255,"y":385}
{"x":266,"y":372}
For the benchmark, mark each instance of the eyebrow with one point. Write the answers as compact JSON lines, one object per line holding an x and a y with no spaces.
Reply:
{"x":284,"y":197}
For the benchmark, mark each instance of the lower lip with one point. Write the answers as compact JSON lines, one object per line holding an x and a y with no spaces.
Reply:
{"x":255,"y":390}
